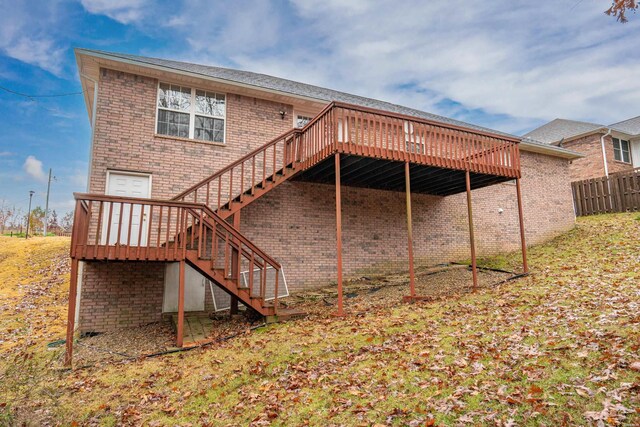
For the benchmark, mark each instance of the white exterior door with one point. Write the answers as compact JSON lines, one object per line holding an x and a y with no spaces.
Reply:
{"x":194,"y":286}
{"x":635,"y":153}
{"x":127,"y":185}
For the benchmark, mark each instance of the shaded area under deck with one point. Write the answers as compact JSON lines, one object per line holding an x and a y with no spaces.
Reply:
{"x":384,"y":174}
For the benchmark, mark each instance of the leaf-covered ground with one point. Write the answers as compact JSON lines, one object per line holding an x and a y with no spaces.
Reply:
{"x":560,"y":347}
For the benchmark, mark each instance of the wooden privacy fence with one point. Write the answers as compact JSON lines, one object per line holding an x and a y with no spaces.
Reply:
{"x":619,"y":192}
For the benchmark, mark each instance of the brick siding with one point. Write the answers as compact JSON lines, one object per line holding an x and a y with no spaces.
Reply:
{"x":125,"y":136}
{"x":120,"y":294}
{"x":295,"y":223}
{"x":592,"y":166}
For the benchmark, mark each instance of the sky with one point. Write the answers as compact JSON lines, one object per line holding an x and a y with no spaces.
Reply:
{"x":510,"y":66}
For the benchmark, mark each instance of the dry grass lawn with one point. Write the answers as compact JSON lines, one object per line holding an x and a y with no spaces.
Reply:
{"x":560,"y":347}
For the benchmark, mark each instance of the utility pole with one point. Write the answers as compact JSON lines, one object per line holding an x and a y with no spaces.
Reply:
{"x":46,"y":206}
{"x":31,"y":193}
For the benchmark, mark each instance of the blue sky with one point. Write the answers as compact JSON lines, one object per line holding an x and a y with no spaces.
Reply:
{"x":507,"y":65}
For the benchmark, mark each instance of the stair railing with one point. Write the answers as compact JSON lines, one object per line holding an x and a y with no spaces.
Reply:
{"x":266,"y":165}
{"x":126,"y":228}
{"x":218,"y":241}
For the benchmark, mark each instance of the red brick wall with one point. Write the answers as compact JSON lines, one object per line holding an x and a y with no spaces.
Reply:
{"x":125,"y":135}
{"x":117,"y":294}
{"x":592,"y":165}
{"x":296,"y":222}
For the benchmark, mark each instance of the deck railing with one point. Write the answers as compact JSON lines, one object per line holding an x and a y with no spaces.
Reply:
{"x":359,"y":131}
{"x":124,"y":228}
{"x":263,"y":165}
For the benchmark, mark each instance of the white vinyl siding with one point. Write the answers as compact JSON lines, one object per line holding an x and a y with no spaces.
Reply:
{"x":185,"y":112}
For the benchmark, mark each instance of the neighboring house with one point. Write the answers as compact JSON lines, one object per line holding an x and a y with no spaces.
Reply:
{"x":185,"y":140}
{"x":606,"y":149}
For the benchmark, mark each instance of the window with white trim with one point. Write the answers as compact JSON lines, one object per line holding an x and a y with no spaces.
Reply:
{"x":185,"y":112}
{"x":621,"y":150}
{"x":302,"y":120}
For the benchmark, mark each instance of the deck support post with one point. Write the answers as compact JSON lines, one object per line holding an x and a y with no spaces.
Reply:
{"x":412,"y":284}
{"x":71,"y":314}
{"x":235,"y":266}
{"x":523,"y":242}
{"x":340,"y":311}
{"x":471,"y":235}
{"x":180,"y":327}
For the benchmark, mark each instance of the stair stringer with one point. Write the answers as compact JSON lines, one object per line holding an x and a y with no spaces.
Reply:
{"x":203,"y":266}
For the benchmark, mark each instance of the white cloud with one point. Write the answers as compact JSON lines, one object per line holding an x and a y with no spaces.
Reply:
{"x":512,"y":64}
{"x":40,"y":52}
{"x":123,"y":11}
{"x":225,"y":29}
{"x":503,"y":64}
{"x":30,"y":34}
{"x":520,"y":64}
{"x":33,"y":168}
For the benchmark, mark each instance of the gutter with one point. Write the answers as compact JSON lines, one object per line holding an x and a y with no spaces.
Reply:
{"x":527,"y":144}
{"x":604,"y":152}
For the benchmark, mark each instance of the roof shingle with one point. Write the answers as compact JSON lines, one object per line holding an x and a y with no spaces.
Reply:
{"x":558,"y":129}
{"x":630,"y":126}
{"x":292,"y":87}
{"x":263,"y":81}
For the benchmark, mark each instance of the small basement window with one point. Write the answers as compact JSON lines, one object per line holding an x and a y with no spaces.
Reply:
{"x":191,"y":113}
{"x":621,"y":150}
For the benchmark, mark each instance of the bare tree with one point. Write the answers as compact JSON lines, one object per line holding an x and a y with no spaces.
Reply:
{"x":67,"y":221}
{"x":619,"y":9}
{"x":52,"y":222}
{"x":6,"y":212}
{"x":16,"y":220}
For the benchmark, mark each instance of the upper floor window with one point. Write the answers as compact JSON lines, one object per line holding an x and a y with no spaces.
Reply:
{"x":621,"y":150}
{"x":301,"y":120}
{"x":191,"y":113}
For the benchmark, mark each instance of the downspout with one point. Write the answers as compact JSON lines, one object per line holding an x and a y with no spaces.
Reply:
{"x":606,"y":167}
{"x":604,"y":152}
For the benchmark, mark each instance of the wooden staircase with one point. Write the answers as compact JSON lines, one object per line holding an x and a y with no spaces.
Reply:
{"x":220,"y":252}
{"x":194,"y":226}
{"x":260,"y":171}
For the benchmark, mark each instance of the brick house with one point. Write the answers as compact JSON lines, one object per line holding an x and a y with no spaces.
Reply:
{"x":206,"y":184}
{"x":605,"y":149}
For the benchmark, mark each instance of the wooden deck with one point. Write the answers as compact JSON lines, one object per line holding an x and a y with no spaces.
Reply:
{"x":369,"y":148}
